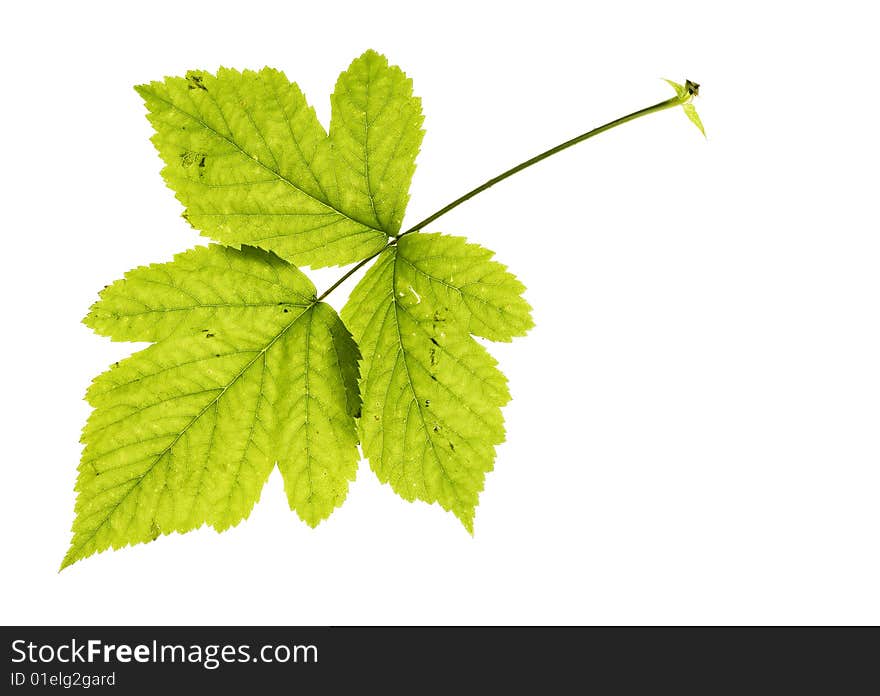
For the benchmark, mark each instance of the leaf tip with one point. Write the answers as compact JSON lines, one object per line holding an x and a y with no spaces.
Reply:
{"x":143,"y":90}
{"x":466,"y":517}
{"x":311,"y":517}
{"x":68,"y":560}
{"x":372,"y":54}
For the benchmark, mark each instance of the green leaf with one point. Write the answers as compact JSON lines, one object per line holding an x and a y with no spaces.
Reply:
{"x":680,"y":90}
{"x":248,"y":369}
{"x":432,"y":395}
{"x":246,"y":155}
{"x":685,"y":94}
{"x":691,"y":112}
{"x":151,"y":302}
{"x":376,"y":130}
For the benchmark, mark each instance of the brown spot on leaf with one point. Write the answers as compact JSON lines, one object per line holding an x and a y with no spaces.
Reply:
{"x":195,"y":81}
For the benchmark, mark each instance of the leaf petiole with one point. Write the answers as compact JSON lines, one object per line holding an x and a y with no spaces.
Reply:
{"x":351,"y":271}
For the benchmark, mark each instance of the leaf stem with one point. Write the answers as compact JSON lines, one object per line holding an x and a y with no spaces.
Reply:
{"x":678,"y":100}
{"x":351,"y":271}
{"x":667,"y":104}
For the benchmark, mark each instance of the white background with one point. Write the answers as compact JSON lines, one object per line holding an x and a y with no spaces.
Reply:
{"x":694,"y":431}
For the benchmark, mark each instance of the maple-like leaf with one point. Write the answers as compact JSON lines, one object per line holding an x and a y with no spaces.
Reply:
{"x":246,"y":155}
{"x":247,"y":369}
{"x":432,"y":395}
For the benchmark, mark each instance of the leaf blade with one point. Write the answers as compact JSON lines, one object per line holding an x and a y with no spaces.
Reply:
{"x":247,"y":157}
{"x":376,"y":129}
{"x":691,"y":112}
{"x":186,"y":431}
{"x":152,"y":302}
{"x":456,"y":272}
{"x":156,"y":419}
{"x":432,"y":396}
{"x":319,"y":459}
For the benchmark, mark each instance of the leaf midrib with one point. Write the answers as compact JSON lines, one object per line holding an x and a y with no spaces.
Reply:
{"x":194,"y":307}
